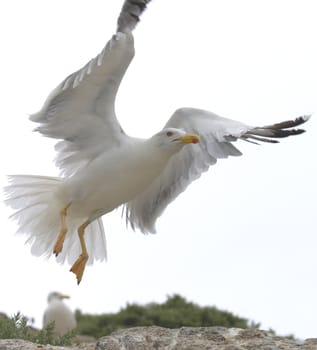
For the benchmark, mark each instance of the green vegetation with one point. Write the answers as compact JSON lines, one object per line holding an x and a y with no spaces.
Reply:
{"x":17,"y":328}
{"x":175,"y":312}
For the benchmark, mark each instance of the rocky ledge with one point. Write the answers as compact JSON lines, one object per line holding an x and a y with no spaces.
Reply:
{"x":186,"y":338}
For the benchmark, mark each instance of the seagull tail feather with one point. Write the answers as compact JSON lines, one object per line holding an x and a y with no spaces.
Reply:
{"x":37,"y":203}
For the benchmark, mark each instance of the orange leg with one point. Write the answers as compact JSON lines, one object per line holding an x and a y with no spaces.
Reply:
{"x":58,"y":247}
{"x":80,"y":264}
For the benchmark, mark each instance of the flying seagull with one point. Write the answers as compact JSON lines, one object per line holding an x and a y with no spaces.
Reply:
{"x":103,"y":168}
{"x":59,"y":313}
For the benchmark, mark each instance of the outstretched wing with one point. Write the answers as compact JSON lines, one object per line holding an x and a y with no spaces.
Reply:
{"x":216,"y":133}
{"x":81,"y":110}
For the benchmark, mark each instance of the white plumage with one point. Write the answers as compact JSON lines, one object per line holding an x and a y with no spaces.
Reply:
{"x":102,"y":167}
{"x":59,"y":313}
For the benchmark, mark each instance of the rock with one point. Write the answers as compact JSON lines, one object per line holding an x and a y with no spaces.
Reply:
{"x":186,"y":338}
{"x":19,"y":344}
{"x":199,"y":338}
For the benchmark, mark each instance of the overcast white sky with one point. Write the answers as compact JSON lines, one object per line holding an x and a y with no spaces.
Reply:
{"x":243,"y":237}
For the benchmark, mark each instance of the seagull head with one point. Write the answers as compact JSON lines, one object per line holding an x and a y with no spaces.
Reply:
{"x":174,"y":139}
{"x":53,"y":296}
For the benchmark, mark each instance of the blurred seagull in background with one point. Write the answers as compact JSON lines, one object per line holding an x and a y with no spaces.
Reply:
{"x":59,"y":313}
{"x":103,"y":168}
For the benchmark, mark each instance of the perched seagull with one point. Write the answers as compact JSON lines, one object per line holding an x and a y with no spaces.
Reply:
{"x":103,"y":168}
{"x":59,"y":313}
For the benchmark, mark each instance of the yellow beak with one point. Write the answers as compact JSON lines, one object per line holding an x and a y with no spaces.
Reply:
{"x":189,"y":138}
{"x":64,"y":296}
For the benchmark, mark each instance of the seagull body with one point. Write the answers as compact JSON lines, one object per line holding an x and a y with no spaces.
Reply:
{"x":103,"y":168}
{"x":59,"y":313}
{"x":127,"y":177}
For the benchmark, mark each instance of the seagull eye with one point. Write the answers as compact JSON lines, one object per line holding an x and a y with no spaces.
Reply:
{"x":169,"y":133}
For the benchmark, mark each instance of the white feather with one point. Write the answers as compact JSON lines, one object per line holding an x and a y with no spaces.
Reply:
{"x":37,"y":213}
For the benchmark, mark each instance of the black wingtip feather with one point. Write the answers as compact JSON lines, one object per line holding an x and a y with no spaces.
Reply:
{"x":279,"y":130}
{"x":130,"y":14}
{"x":289,"y":123}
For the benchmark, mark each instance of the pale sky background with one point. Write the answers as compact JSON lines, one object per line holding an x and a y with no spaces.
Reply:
{"x":243,"y":237}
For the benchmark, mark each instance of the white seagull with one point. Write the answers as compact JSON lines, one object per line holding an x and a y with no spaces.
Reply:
{"x":103,"y":168}
{"x":59,"y":313}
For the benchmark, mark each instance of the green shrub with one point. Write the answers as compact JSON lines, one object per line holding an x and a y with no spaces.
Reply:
{"x":17,"y":328}
{"x":174,"y":313}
